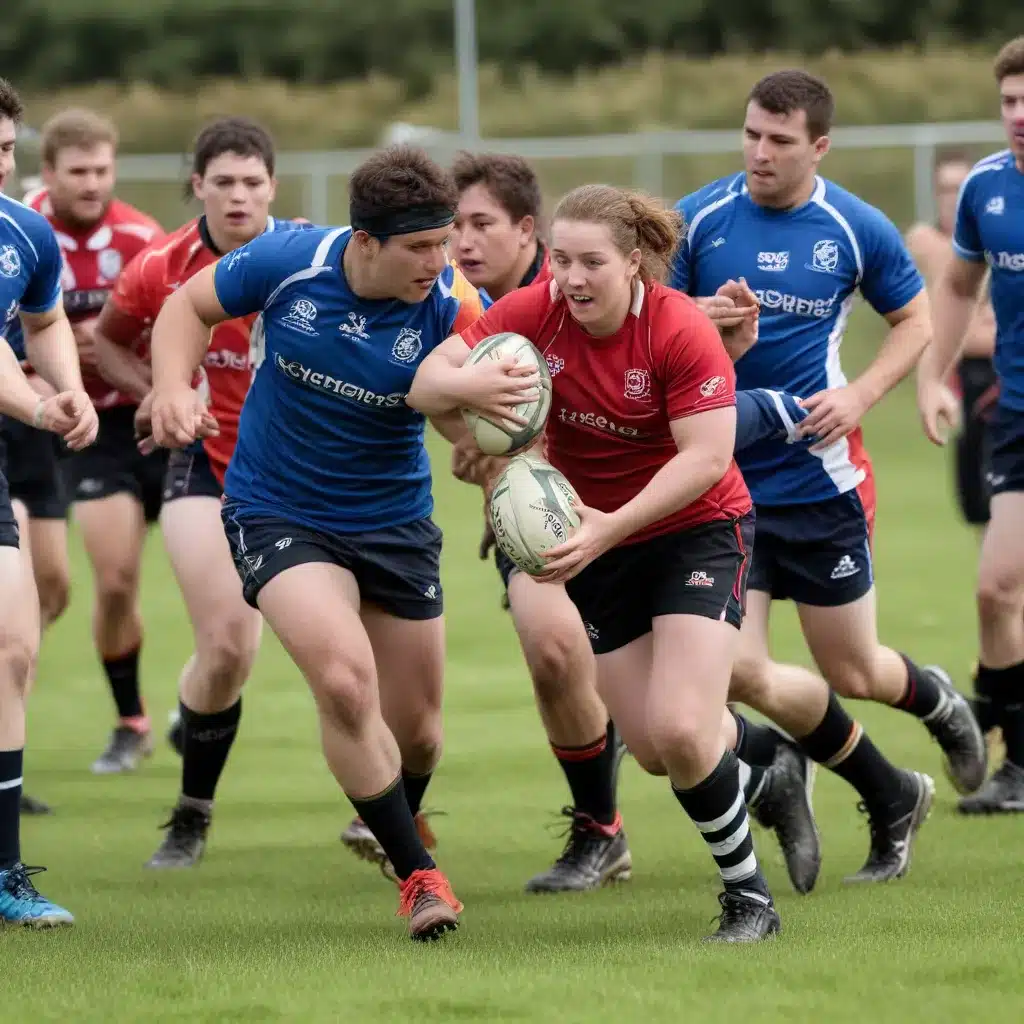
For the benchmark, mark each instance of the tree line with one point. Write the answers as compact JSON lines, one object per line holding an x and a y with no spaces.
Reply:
{"x":46,"y":44}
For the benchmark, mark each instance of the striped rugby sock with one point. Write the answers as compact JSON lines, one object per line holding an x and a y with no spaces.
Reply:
{"x":717,"y":808}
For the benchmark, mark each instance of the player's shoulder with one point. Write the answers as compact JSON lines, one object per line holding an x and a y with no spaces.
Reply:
{"x":668,"y":311}
{"x":171,"y":252}
{"x":22,"y":224}
{"x":838,"y":202}
{"x":711,"y":197}
{"x":300,"y":244}
{"x":988,"y":174}
{"x":127,"y":219}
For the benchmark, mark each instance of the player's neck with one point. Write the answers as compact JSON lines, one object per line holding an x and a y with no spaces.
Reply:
{"x":222,"y":241}
{"x":796,"y":197}
{"x":72,"y":226}
{"x":514,"y":278}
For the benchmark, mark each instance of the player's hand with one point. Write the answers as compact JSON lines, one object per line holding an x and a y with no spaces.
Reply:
{"x":180,"y":417}
{"x":832,"y":414}
{"x":939,"y":410}
{"x":467,"y":460}
{"x":494,"y":387}
{"x":735,"y":310}
{"x":85,"y":339}
{"x":71,"y":415}
{"x":596,"y":534}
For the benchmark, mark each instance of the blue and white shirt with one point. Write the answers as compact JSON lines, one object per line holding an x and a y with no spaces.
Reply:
{"x":326,"y":439}
{"x":990,"y":229}
{"x":806,"y":266}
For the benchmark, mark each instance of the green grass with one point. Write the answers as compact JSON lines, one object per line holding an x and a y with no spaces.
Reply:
{"x":279,"y":924}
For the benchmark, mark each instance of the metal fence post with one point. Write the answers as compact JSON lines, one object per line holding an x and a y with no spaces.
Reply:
{"x":924,"y":181}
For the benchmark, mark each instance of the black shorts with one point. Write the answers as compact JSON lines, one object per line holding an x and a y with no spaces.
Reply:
{"x":816,"y":554}
{"x":114,"y":465}
{"x":8,"y":524}
{"x":34,"y":475}
{"x":700,"y":571}
{"x":398,"y":568}
{"x":189,"y":475}
{"x":971,"y":453}
{"x":1006,"y":451}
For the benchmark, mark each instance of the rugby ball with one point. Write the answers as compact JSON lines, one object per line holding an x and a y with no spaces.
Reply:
{"x":502,"y":436}
{"x":532,"y":509}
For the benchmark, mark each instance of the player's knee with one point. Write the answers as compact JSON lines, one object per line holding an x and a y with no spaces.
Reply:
{"x":226,"y":655}
{"x":17,"y":660}
{"x":421,"y":749}
{"x":650,"y":762}
{"x":677,"y":738}
{"x":54,"y":594}
{"x":345,"y":693}
{"x":750,"y":682}
{"x":116,"y":588}
{"x":552,"y":658}
{"x":999,"y":595}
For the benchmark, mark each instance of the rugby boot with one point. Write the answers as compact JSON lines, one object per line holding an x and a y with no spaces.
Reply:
{"x":594,"y":855}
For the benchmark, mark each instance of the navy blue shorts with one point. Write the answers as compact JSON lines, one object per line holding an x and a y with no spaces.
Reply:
{"x":1006,"y":451}
{"x":398,"y":568}
{"x":971,"y":453}
{"x":190,"y":475}
{"x":816,"y":554}
{"x":700,"y":571}
{"x":8,"y":524}
{"x":33,"y":471}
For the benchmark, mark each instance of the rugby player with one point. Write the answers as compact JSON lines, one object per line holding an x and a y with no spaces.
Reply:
{"x":327,"y":497}
{"x":657,"y":570}
{"x":807,"y":246}
{"x":233,"y":177}
{"x":930,"y":245}
{"x":30,"y":272}
{"x":496,"y":245}
{"x":114,"y":490}
{"x":989,"y":232}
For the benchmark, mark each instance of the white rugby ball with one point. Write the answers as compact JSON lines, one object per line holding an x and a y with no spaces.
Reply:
{"x":501,"y":436}
{"x":532,"y":509}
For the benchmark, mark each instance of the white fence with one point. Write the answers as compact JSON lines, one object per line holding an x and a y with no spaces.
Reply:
{"x":647,"y":149}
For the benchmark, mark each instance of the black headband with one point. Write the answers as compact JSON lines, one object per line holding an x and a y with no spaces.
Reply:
{"x":403,"y":221}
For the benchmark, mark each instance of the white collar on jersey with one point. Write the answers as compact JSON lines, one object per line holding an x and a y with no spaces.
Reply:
{"x":639,"y":291}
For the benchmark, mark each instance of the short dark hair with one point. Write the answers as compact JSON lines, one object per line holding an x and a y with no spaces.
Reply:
{"x":509,"y":179}
{"x":11,"y":106}
{"x":238,"y":135}
{"x":783,"y":92}
{"x":399,"y":177}
{"x":1010,"y":60}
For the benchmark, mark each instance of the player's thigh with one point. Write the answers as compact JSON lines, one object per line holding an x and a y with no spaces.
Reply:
{"x":843,"y":641}
{"x":223,"y":623}
{"x":311,"y":601}
{"x":1001,"y":568}
{"x":19,"y":606}
{"x":551,"y":634}
{"x":409,"y":658}
{"x":48,"y":542}
{"x":623,"y":684}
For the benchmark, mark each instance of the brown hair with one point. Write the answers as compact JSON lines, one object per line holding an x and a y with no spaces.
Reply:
{"x":509,"y":179}
{"x":783,"y":92}
{"x":238,"y":135}
{"x":1010,"y":60}
{"x":77,"y":128}
{"x":11,"y":106}
{"x":399,"y":177}
{"x":636,"y":221}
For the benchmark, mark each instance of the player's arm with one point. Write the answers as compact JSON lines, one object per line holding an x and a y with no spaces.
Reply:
{"x":17,"y":397}
{"x":956,"y":296}
{"x":115,"y":332}
{"x":50,"y":347}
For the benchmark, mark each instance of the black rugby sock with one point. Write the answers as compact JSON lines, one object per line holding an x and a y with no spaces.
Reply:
{"x":123,"y":679}
{"x":923,"y":695}
{"x":10,"y":807}
{"x":590,"y":772}
{"x":388,"y":817}
{"x":415,"y":788}
{"x":208,"y":741}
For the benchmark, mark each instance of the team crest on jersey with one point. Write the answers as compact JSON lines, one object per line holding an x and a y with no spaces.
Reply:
{"x":300,"y":317}
{"x":11,"y":313}
{"x":356,"y":327}
{"x":638,"y":385}
{"x":407,"y":346}
{"x":772,"y":261}
{"x":556,"y":364}
{"x":712,"y":386}
{"x":824,"y":256}
{"x":996,"y":206}
{"x":110,"y":262}
{"x":10,"y":261}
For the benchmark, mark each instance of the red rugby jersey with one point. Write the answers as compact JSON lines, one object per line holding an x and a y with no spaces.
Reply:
{"x":613,"y":398}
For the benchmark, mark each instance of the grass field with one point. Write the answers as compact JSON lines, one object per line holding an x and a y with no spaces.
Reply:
{"x":279,"y":924}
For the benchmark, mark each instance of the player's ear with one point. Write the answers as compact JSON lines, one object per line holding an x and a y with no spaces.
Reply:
{"x":527,"y":226}
{"x":368,"y":245}
{"x":46,"y":173}
{"x":273,"y":190}
{"x":197,"y":187}
{"x":634,"y":260}
{"x":822,"y":145}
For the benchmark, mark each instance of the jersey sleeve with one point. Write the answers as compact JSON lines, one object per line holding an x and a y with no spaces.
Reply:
{"x":967,"y":242}
{"x":470,"y":306}
{"x":698,"y":373}
{"x":42,"y":292}
{"x":246,"y":278}
{"x":679,"y":274}
{"x":521,"y":312}
{"x":136,"y":291}
{"x":890,"y":277}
